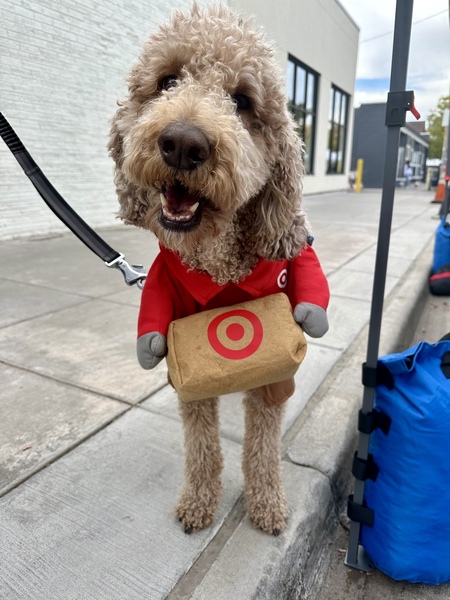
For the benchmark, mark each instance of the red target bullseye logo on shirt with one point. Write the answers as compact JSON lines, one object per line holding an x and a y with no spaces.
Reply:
{"x":235,"y":334}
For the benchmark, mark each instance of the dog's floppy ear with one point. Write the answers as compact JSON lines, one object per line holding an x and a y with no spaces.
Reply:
{"x":280,"y":226}
{"x":132,"y":199}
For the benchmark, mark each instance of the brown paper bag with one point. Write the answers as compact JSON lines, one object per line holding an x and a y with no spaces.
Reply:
{"x":233,"y":349}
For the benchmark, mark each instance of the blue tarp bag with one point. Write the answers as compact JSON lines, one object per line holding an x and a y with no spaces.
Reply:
{"x":441,"y":254}
{"x":409,"y":492}
{"x":439,"y":280}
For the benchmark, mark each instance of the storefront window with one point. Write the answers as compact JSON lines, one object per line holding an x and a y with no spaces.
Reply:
{"x":302,"y":88}
{"x":337,"y":131}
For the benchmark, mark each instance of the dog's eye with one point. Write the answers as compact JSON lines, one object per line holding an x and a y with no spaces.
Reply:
{"x":242,"y":101}
{"x":168,"y":82}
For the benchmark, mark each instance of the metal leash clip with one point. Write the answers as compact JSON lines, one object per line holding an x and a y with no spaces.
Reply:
{"x":133,"y":274}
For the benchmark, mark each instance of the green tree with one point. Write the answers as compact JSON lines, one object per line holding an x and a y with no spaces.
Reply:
{"x":435,"y":128}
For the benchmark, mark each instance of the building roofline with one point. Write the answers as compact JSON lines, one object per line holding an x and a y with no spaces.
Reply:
{"x":348,"y":15}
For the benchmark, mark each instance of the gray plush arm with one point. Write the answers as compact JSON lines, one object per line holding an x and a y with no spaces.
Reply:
{"x":151,"y":349}
{"x":312,"y":319}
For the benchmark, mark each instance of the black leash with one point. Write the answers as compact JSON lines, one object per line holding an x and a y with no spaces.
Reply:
{"x":132,"y":273}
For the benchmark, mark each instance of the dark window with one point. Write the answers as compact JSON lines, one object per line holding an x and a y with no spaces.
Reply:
{"x":302,"y":87}
{"x":337,"y":130}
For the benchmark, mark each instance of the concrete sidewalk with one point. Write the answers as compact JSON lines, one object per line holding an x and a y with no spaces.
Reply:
{"x":91,"y":455}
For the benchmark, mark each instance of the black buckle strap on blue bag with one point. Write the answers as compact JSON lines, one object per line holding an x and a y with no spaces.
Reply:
{"x":360,"y":513}
{"x":113,"y":259}
{"x":369,"y":376}
{"x":375,"y":419}
{"x":378,"y":375}
{"x":445,"y":362}
{"x":365,"y":469}
{"x":445,"y":365}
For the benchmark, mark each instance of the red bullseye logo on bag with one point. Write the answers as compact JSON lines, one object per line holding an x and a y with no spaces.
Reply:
{"x":235,"y":334}
{"x":230,"y":349}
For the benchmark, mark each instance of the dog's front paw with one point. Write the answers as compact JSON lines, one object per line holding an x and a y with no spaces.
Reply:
{"x":268,"y":510}
{"x":196,"y":508}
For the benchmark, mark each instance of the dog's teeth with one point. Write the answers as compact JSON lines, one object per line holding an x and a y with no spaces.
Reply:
{"x":163,"y":199}
{"x":194,"y":207}
{"x":167,"y":213}
{"x":172,"y":217}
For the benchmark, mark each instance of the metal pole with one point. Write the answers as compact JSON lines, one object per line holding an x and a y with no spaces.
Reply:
{"x":356,"y":556}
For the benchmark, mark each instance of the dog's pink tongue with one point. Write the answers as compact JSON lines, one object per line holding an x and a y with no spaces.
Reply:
{"x":180,"y":198}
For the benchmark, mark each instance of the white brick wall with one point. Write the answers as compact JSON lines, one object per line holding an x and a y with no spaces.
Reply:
{"x":62,"y":66}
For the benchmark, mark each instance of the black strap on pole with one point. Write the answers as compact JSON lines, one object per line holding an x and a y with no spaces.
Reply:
{"x":399,"y":102}
{"x":54,"y":200}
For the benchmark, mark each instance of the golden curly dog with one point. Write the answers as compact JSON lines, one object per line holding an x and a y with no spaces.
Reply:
{"x":207,"y":157}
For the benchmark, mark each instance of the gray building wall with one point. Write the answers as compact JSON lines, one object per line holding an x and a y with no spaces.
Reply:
{"x":369,"y":142}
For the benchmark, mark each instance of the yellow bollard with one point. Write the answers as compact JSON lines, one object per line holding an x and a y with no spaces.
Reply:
{"x":359,"y":174}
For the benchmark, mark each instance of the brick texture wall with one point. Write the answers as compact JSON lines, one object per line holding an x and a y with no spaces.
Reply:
{"x":63,"y":64}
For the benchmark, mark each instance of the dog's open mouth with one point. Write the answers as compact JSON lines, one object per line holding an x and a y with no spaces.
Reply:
{"x":181,"y":209}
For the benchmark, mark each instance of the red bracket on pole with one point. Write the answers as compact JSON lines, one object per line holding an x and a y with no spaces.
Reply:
{"x":413,"y":109}
{"x":398,"y":104}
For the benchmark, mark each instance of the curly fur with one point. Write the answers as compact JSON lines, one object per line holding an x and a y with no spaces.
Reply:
{"x":255,"y":169}
{"x":251,"y":189}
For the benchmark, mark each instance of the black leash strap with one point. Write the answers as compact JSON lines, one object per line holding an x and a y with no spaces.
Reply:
{"x":54,"y":200}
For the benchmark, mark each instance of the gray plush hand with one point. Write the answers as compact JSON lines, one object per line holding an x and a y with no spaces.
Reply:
{"x":312,"y":319}
{"x":151,"y":349}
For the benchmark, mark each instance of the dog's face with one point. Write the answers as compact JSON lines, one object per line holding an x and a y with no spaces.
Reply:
{"x":205,"y":135}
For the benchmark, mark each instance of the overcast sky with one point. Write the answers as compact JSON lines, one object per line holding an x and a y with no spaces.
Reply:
{"x":429,"y":56}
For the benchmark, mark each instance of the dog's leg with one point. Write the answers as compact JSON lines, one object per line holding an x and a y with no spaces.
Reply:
{"x":203,"y":464}
{"x":265,"y":497}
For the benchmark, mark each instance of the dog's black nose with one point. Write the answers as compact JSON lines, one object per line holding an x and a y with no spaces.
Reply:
{"x":183,"y":146}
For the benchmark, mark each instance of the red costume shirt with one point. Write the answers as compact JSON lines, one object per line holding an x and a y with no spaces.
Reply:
{"x":173,"y":290}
